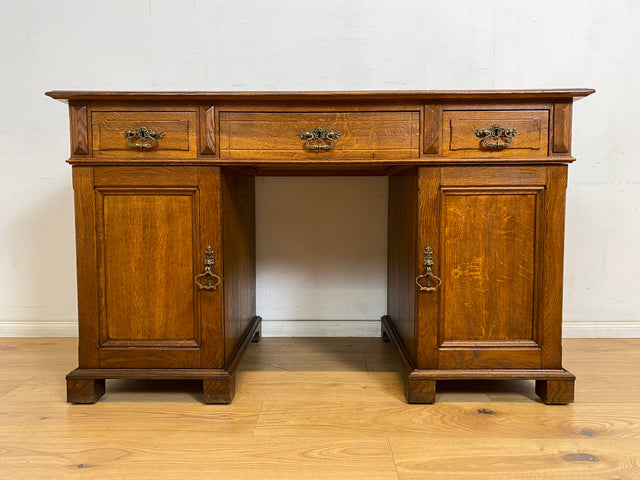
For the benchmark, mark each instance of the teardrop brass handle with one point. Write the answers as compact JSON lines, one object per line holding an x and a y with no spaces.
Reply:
{"x":428,"y":275}
{"x":323,"y":139}
{"x":209,"y":263}
{"x":496,"y":133}
{"x":146,"y":136}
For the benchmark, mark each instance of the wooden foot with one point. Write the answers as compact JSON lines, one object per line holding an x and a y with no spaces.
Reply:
{"x":555,"y":392}
{"x":84,"y":391}
{"x":420,"y":390}
{"x":219,"y":391}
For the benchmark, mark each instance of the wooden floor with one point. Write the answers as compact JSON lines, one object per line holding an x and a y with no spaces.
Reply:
{"x":310,"y":408}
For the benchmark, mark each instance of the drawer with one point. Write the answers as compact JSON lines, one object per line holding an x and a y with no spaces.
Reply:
{"x":356,"y":135}
{"x":176,"y":137}
{"x":524,"y":133}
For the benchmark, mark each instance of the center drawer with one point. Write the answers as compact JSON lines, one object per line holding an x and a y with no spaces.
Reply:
{"x":319,"y":135}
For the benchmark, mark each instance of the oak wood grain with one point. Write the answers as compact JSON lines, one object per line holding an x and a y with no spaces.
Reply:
{"x":322,"y":424}
{"x":551,"y":258}
{"x":276,"y":135}
{"x":179,"y":128}
{"x":401,"y":257}
{"x":394,"y":95}
{"x":527,"y":459}
{"x":79,"y":129}
{"x":208,"y":130}
{"x":203,"y":458}
{"x":86,"y":267}
{"x":460,"y":139}
{"x":238,"y":240}
{"x":494,"y":218}
{"x":432,"y":129}
{"x":562,"y":127}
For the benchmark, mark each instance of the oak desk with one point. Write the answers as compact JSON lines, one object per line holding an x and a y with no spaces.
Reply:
{"x":165,"y":227}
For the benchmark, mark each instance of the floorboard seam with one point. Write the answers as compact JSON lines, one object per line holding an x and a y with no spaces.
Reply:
{"x":253,"y":432}
{"x":393,"y":459}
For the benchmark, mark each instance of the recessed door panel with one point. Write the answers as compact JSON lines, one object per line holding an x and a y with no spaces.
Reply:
{"x":148,"y":265}
{"x":489,"y":246}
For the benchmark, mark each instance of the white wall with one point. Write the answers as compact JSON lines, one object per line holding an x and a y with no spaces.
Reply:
{"x":310,"y":45}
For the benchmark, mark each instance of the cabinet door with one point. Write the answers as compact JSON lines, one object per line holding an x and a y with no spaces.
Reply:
{"x":151,"y":227}
{"x":497,"y":237}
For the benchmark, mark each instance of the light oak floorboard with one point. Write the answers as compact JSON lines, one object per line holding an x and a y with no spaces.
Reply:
{"x":487,"y":420}
{"x":522,"y":459}
{"x":328,"y":386}
{"x":316,"y":409}
{"x":212,"y":457}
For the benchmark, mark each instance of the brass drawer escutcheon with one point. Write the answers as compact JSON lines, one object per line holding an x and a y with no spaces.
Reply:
{"x":323,"y":139}
{"x":496,"y":133}
{"x":146,"y":136}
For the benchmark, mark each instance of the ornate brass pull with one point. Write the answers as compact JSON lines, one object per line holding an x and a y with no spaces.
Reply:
{"x":496,"y":133}
{"x":209,"y":263}
{"x":428,"y":275}
{"x":146,"y":136}
{"x":323,"y":139}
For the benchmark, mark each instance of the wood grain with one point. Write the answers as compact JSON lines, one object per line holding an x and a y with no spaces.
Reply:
{"x":551,"y":263}
{"x":276,"y":135}
{"x":562,"y":127}
{"x":179,"y":140}
{"x":432,"y":129}
{"x":239,"y":244}
{"x":401,"y":257}
{"x":393,"y":95}
{"x":527,"y":459}
{"x":208,"y":130}
{"x":460,"y":140}
{"x":212,"y":457}
{"x":318,"y":424}
{"x":208,"y":225}
{"x":428,"y":234}
{"x":86,"y":267}
{"x":148,"y":251}
{"x":494,"y":218}
{"x":79,"y":129}
{"x":148,"y":243}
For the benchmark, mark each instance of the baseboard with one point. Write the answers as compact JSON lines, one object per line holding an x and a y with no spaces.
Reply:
{"x":371,"y":328}
{"x":617,"y":329}
{"x":321,"y":328}
{"x":41,"y":328}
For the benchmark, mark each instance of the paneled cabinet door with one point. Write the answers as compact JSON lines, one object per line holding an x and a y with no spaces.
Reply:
{"x":139,"y":304}
{"x":497,"y":236}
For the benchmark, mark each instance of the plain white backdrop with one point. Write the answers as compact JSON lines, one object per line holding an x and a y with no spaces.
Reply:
{"x":321,"y":241}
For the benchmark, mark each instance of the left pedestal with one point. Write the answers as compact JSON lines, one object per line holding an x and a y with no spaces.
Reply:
{"x":166,"y":275}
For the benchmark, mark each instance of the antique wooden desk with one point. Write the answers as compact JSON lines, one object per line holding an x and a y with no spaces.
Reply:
{"x":165,"y":230}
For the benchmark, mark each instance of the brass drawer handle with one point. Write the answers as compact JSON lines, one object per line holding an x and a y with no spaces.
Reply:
{"x":323,"y":139}
{"x":146,"y":136}
{"x":496,"y":133}
{"x":428,"y":275}
{"x":209,"y":263}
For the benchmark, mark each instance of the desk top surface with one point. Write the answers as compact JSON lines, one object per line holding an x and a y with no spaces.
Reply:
{"x":364,"y":95}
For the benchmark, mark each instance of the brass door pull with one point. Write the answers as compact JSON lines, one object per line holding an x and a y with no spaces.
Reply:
{"x":146,"y":136}
{"x":428,"y":275}
{"x":496,"y":133}
{"x":209,"y":263}
{"x":323,"y":139}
